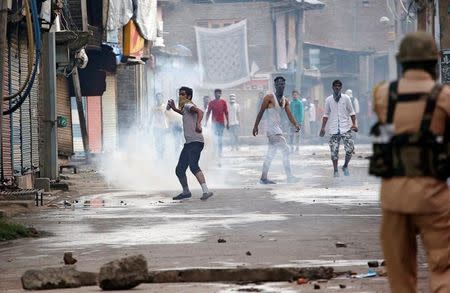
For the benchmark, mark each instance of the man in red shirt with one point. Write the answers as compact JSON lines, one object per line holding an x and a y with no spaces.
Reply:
{"x":219,"y":110}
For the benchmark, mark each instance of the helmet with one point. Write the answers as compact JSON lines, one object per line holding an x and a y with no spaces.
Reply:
{"x":417,"y":46}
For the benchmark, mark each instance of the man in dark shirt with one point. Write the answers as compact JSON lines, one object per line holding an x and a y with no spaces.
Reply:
{"x":219,"y":110}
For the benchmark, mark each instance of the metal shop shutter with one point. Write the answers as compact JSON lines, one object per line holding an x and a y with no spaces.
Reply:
{"x":25,"y":111}
{"x":109,"y":114}
{"x":94,"y":123}
{"x":6,"y":164}
{"x":65,"y":142}
{"x":35,"y":90}
{"x":15,"y":79}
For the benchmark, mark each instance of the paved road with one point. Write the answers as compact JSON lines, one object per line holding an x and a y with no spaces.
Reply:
{"x":280,"y":225}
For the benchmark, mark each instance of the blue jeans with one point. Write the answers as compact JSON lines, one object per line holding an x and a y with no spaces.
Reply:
{"x":218,"y":133}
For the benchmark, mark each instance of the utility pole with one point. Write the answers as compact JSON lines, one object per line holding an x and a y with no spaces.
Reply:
{"x":299,"y":62}
{"x":48,"y":153}
{"x":3,"y":24}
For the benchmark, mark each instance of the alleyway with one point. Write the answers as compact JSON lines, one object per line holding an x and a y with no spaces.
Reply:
{"x":280,"y":225}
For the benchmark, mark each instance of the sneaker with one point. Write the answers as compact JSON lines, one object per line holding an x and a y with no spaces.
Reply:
{"x":292,"y":179}
{"x":345,"y":170}
{"x":182,"y":196}
{"x":336,"y":173}
{"x":205,"y":195}
{"x":266,"y":181}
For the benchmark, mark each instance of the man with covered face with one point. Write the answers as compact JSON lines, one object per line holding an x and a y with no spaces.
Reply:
{"x":342,"y":120}
{"x":274,"y":105}
{"x":190,"y":155}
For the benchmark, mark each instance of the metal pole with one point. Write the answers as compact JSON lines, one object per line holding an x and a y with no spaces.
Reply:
{"x":3,"y":24}
{"x":52,"y":105}
{"x":299,"y":61}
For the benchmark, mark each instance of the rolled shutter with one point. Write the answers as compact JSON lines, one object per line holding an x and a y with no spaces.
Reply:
{"x":109,"y":114}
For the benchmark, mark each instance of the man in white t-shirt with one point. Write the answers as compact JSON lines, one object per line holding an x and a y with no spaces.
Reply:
{"x":234,"y":117}
{"x":339,"y":111}
{"x":190,"y":155}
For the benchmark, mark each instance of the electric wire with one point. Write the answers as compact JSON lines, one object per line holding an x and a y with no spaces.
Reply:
{"x":38,"y":47}
{"x":30,"y":52}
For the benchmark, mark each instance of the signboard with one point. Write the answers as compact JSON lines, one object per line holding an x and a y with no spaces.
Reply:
{"x":445,"y":66}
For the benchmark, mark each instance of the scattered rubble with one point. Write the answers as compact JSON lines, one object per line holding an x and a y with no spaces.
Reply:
{"x":123,"y":274}
{"x":369,"y":274}
{"x":252,"y":289}
{"x":68,"y":258}
{"x":32,"y":232}
{"x":382,"y":272}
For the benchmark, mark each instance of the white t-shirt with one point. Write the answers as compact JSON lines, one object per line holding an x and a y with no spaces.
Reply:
{"x":338,"y":114}
{"x":233,"y":111}
{"x":189,"y":123}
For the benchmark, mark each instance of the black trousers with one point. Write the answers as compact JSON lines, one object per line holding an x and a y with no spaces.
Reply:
{"x":189,"y":157}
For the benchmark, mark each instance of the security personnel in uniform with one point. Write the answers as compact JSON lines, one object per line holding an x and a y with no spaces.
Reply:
{"x":415,"y":197}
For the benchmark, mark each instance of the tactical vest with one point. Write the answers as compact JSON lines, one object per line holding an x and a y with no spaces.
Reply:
{"x":420,"y":154}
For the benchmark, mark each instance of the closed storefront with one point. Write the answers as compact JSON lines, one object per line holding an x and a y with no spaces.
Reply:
{"x":127,"y":102}
{"x":76,"y":130}
{"x":6,"y":163}
{"x":20,"y":132}
{"x":65,"y":141}
{"x":109,"y":114}
{"x":94,"y":123}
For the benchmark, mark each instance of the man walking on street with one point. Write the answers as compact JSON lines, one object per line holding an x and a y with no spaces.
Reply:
{"x":312,"y":117}
{"x":219,"y":110}
{"x":190,"y":155}
{"x":234,"y":119}
{"x":339,"y":111}
{"x":415,"y":197}
{"x":297,"y":111}
{"x":274,"y":104}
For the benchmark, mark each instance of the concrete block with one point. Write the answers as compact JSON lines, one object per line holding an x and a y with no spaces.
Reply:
{"x":42,"y":183}
{"x":60,"y":186}
{"x":25,"y":181}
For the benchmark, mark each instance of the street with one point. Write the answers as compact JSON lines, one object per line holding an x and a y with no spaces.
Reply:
{"x":262,"y":225}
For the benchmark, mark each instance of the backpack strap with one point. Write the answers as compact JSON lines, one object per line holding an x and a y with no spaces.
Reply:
{"x":430,"y":106}
{"x":392,"y":101}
